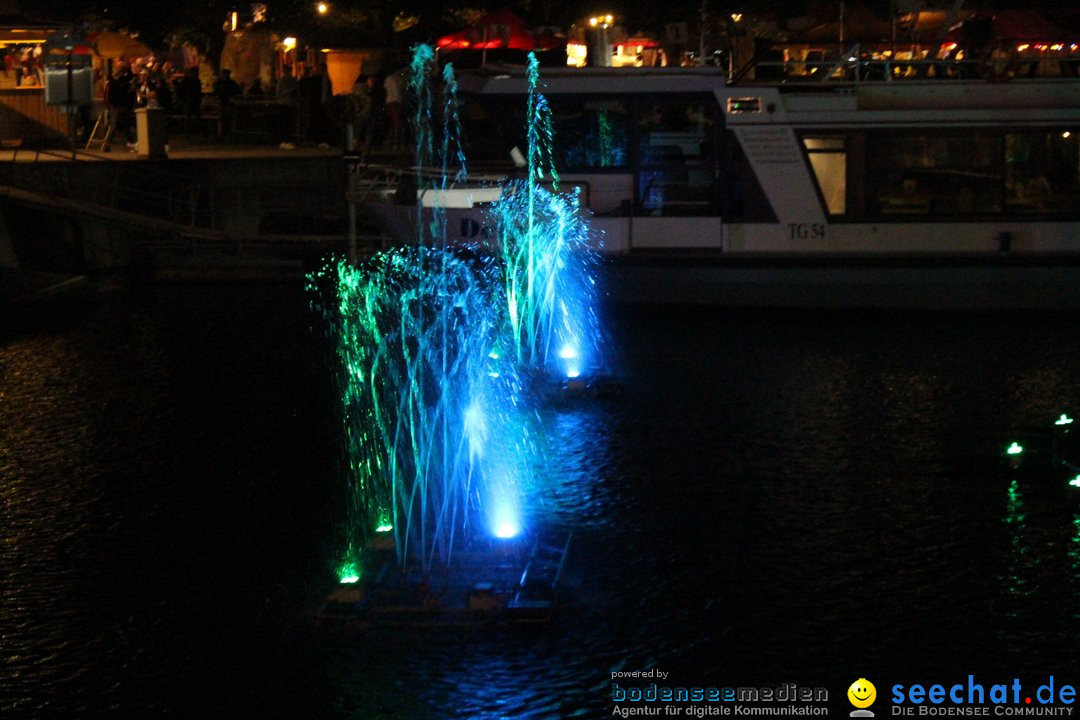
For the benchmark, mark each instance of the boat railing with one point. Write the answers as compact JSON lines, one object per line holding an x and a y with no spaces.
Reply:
{"x":857,"y":64}
{"x":369,"y":182}
{"x":128,"y":187}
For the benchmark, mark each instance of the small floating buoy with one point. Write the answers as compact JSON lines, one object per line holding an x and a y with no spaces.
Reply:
{"x":575,"y":385}
{"x":1015,"y":453}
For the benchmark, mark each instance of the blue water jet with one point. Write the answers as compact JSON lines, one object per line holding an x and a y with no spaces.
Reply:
{"x":548,"y":259}
{"x":432,"y":344}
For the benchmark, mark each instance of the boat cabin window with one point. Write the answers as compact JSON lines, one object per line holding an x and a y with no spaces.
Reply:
{"x":590,"y":134}
{"x":491,"y":127}
{"x":668,"y":143}
{"x":935,"y":174}
{"x":978,"y":172}
{"x":1041,"y":171}
{"x":828,"y":159}
{"x":676,"y":139}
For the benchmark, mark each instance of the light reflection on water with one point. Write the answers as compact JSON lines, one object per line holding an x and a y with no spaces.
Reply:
{"x":775,"y":498}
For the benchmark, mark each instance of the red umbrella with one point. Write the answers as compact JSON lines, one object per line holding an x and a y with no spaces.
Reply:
{"x":500,"y":29}
{"x":66,"y":44}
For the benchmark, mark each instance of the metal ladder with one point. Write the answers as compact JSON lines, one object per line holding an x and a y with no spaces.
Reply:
{"x":102,"y":125}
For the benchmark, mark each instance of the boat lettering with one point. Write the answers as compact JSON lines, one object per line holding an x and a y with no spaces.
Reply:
{"x":470,"y":229}
{"x":807,"y":231}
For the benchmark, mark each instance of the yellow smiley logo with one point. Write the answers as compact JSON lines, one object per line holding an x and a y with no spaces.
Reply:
{"x":862,"y":693}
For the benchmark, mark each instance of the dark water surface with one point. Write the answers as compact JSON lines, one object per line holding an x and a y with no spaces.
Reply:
{"x":779,"y":497}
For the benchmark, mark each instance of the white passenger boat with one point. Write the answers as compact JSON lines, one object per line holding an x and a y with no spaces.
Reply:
{"x":809,"y":183}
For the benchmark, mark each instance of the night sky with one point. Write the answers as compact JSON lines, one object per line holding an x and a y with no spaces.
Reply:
{"x":371,"y":18}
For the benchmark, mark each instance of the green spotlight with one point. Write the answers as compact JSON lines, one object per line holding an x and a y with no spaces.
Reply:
{"x":1075,"y":482}
{"x":1014,"y":449}
{"x":349,"y":573}
{"x":1064,"y":420}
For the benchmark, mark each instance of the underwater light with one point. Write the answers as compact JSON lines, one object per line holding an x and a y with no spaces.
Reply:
{"x":569,"y":353}
{"x":505,"y":521}
{"x":1075,"y":482}
{"x":349,"y":573}
{"x":506,"y":529}
{"x":1014,"y":449}
{"x":1064,"y":420}
{"x":384,"y":528}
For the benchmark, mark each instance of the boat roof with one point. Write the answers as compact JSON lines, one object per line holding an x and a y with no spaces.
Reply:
{"x":512,"y":80}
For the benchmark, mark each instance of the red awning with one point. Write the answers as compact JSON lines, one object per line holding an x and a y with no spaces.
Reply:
{"x":635,"y":41}
{"x":500,"y":29}
{"x":64,"y":44}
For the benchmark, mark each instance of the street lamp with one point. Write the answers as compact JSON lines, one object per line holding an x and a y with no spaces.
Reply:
{"x":322,"y":8}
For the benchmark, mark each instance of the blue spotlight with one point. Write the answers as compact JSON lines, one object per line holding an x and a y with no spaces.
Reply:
{"x":571,"y":360}
{"x":505,"y":521}
{"x":506,"y":530}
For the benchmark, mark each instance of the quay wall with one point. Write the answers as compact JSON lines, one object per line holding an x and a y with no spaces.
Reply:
{"x":80,"y":216}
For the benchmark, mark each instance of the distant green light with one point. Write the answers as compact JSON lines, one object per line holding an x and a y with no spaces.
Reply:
{"x":1014,"y":449}
{"x":1075,"y":482}
{"x":384,"y":528}
{"x":1064,"y":420}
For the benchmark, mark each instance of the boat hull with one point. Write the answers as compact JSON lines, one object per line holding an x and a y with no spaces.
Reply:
{"x":925,"y":283}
